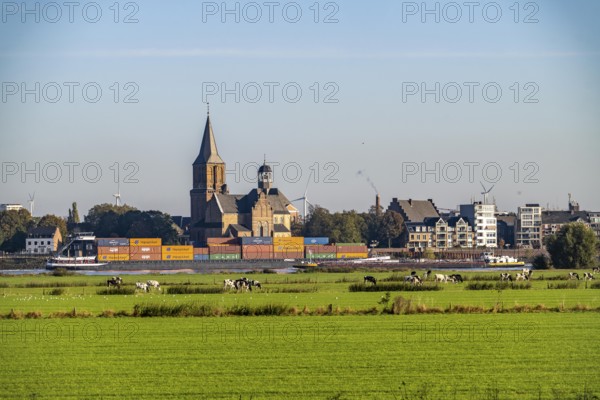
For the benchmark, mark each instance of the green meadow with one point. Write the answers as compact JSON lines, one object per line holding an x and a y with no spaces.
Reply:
{"x":303,"y":336}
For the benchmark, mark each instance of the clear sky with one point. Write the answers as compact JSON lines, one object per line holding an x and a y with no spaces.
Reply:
{"x":505,"y":87}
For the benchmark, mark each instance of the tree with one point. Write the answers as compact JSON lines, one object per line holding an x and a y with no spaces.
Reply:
{"x":95,"y":213}
{"x":575,"y":245}
{"x":73,"y":215}
{"x":13,"y":229}
{"x":51,"y":220}
{"x":390,"y":227}
{"x":319,"y":223}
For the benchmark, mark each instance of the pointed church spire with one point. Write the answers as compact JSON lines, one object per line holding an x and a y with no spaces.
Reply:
{"x":208,"y":149}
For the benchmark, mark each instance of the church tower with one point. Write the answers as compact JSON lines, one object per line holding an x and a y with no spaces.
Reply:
{"x":265,"y":177}
{"x":208,"y":175}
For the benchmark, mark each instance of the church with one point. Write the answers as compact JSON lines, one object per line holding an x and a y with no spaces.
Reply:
{"x":265,"y":211}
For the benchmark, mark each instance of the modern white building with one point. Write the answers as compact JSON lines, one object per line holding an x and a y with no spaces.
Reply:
{"x":10,"y":207}
{"x":483,"y":218}
{"x":529,"y":226}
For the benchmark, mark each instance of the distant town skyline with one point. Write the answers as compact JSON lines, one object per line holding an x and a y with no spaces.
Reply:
{"x":387,"y":98}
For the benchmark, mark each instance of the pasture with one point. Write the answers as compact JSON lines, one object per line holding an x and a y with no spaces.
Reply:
{"x":327,"y":342}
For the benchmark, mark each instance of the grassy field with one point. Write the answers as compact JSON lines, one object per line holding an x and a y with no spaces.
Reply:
{"x":478,"y":355}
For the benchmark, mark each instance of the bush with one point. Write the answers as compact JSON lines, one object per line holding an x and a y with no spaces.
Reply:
{"x":564,"y":285}
{"x":541,"y":261}
{"x":392,"y":287}
{"x":498,"y":286}
{"x":595,"y":285}
{"x":56,"y":292}
{"x":194,"y":290}
{"x":62,"y":272}
{"x":115,"y":291}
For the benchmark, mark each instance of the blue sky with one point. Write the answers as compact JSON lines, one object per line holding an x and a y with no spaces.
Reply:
{"x":366,"y":61}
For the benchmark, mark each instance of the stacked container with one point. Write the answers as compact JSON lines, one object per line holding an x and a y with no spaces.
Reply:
{"x":145,"y":249}
{"x":224,"y":252}
{"x":320,"y":252}
{"x":312,"y":241}
{"x":200,"y":253}
{"x":113,"y":249}
{"x":288,"y":247}
{"x":220,"y":240}
{"x":177,"y":253}
{"x":352,"y":250}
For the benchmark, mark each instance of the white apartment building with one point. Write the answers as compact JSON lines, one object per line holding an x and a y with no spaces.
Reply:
{"x":483,"y":219}
{"x":10,"y":207}
{"x":529,"y":226}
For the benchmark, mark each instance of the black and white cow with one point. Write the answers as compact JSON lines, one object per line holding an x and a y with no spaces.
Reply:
{"x":426,"y":275}
{"x":369,"y":278}
{"x":114,"y":281}
{"x":243,"y":284}
{"x":254,"y":283}
{"x":596,"y":270}
{"x":588,"y":275}
{"x":522,"y":277}
{"x":154,"y":284}
{"x":506,"y":276}
{"x":141,"y":286}
{"x":573,"y":275}
{"x":441,"y":278}
{"x":228,"y":284}
{"x":527,"y":273}
{"x":456,"y":278}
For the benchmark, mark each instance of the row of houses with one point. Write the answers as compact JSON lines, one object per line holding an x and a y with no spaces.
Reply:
{"x":481,"y":225}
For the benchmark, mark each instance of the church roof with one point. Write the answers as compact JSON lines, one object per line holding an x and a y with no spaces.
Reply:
{"x":280,"y":228}
{"x":208,"y":149}
{"x":243,"y":203}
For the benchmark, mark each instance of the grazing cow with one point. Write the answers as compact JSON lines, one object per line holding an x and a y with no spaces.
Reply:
{"x":573,"y":275}
{"x":408,"y":278}
{"x":426,"y":274}
{"x":596,"y":270}
{"x":413,"y":273}
{"x":588,"y":275}
{"x":456,"y":278}
{"x":505,"y":276}
{"x":522,"y":277}
{"x":243,"y":284}
{"x":441,"y":278}
{"x":527,"y":273}
{"x":254,"y":283}
{"x":228,"y":284}
{"x":114,"y":281}
{"x":153,"y":284}
{"x":141,"y":286}
{"x":416,"y":281}
{"x":369,"y":278}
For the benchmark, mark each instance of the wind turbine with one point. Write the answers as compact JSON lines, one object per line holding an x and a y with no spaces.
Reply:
{"x":485,"y":193}
{"x":31,"y":203}
{"x":304,"y":200}
{"x":117,"y":196}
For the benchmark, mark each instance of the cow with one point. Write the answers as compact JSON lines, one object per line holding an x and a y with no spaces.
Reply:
{"x":588,"y":275}
{"x":114,"y":281}
{"x":527,"y":273}
{"x":441,"y":278}
{"x":596,"y":270}
{"x":426,"y":274}
{"x":573,"y":275}
{"x":154,"y":284}
{"x":254,"y":283}
{"x":243,"y":284}
{"x":141,"y":286}
{"x":369,"y":278}
{"x":505,"y":276}
{"x":228,"y":284}
{"x":416,"y":281}
{"x":521,"y":277}
{"x":413,"y":273}
{"x":456,"y":278}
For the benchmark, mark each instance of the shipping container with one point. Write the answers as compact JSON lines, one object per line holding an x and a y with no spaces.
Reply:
{"x":282,"y":241}
{"x":113,"y":257}
{"x":321,"y":256}
{"x":145,"y":249}
{"x":288,"y":248}
{"x":291,"y":254}
{"x":257,"y":252}
{"x":221,"y":240}
{"x":224,"y":249}
{"x":201,"y":257}
{"x":256,"y":240}
{"x":114,"y":250}
{"x":223,"y":257}
{"x":145,"y":242}
{"x":322,"y":249}
{"x":352,"y":255}
{"x":177,"y":257}
{"x":352,"y":249}
{"x":201,"y":250}
{"x":145,"y":257}
{"x":177,"y":250}
{"x":316,"y":240}
{"x":112,"y":242}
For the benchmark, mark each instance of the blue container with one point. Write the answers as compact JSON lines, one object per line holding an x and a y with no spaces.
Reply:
{"x":316,"y":240}
{"x":201,"y":257}
{"x":257,"y":240}
{"x":113,"y":242}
